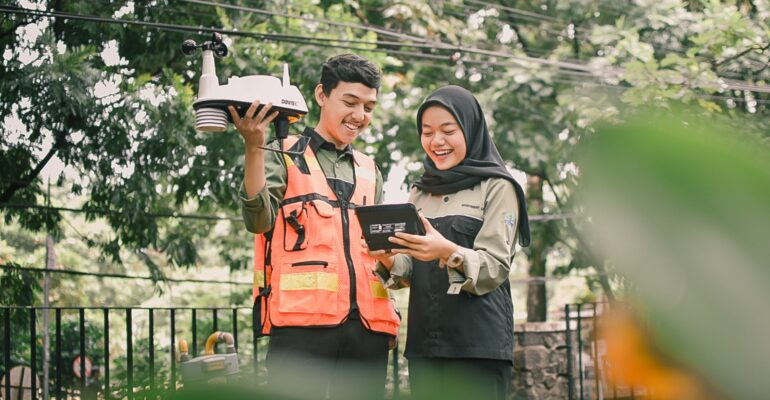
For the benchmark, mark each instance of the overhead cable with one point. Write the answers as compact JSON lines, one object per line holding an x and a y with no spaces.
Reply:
{"x":121,"y":276}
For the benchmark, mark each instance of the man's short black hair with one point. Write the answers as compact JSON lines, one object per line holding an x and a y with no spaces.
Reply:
{"x":349,"y":68}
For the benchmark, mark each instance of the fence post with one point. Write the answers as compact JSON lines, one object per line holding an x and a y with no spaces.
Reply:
{"x":129,"y":356}
{"x":580,"y":349}
{"x":107,"y":394}
{"x":7,"y":350}
{"x":58,"y":354}
{"x":173,"y":351}
{"x":235,"y":327}
{"x":152,"y":352}
{"x":599,"y":389}
{"x":82,"y":328}
{"x":570,"y":377}
{"x":33,"y":353}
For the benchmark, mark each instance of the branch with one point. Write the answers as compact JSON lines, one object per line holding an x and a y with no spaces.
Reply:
{"x":24,"y":182}
{"x":524,"y":45}
{"x":743,"y":53}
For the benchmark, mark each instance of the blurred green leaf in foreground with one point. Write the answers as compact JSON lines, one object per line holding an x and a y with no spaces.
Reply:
{"x":681,"y":207}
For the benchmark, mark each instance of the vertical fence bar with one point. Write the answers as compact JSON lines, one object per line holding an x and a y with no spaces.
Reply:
{"x":568,"y":334}
{"x":129,"y":357}
{"x":58,"y":355}
{"x":599,"y":389}
{"x":152,"y":352}
{"x":107,"y":394}
{"x":7,"y":350}
{"x":235,"y":328}
{"x":194,"y":334}
{"x":580,"y":348}
{"x":172,"y":379}
{"x":216,"y":325}
{"x":33,"y":353}
{"x":82,"y":331}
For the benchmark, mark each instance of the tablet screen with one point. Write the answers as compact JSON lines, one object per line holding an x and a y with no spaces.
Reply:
{"x":378,"y":222}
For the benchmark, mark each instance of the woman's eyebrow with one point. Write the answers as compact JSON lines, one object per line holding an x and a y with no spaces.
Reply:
{"x":443,"y":124}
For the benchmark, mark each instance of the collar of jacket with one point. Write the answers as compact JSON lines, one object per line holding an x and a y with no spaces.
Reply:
{"x":318,"y":142}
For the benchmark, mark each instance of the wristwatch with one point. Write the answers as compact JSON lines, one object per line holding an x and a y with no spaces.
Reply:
{"x":456,"y":259}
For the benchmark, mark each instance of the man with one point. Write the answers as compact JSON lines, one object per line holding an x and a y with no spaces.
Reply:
{"x":325,"y":310}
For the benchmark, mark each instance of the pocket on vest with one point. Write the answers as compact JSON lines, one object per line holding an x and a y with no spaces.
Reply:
{"x":383,"y":308}
{"x":308,"y":289}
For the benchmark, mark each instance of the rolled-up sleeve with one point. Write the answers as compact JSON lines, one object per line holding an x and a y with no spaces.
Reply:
{"x":488,"y":264}
{"x":259,"y":212}
{"x":400,"y":273}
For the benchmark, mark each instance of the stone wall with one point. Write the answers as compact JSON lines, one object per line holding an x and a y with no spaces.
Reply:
{"x":540,"y":361}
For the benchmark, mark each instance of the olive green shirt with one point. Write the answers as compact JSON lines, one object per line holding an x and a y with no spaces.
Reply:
{"x":488,"y":264}
{"x":259,"y":212}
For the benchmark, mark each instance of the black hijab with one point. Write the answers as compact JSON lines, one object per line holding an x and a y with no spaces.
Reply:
{"x":482,"y":160}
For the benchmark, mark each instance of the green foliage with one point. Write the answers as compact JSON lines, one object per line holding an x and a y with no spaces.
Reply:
{"x":682,"y":210}
{"x":130,"y":148}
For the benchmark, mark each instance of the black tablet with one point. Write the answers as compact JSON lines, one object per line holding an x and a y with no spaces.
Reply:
{"x":381,"y":221}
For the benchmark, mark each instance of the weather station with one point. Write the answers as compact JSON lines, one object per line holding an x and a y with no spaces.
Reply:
{"x":211,"y":105}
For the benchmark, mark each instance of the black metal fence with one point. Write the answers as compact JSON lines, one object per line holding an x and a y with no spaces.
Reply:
{"x":587,"y":366}
{"x":145,"y":367}
{"x":148,"y":363}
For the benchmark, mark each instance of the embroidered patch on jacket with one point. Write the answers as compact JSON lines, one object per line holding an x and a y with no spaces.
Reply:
{"x":509,"y":224}
{"x":509,"y":221}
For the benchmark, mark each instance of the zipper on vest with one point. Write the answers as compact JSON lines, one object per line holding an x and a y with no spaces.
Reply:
{"x":308,"y":263}
{"x":348,"y":258}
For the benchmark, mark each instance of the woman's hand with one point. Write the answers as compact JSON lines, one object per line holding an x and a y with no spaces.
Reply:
{"x":252,"y":127}
{"x":425,"y":248}
{"x":385,"y":257}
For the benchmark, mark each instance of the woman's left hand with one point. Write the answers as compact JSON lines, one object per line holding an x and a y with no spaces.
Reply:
{"x":429,"y":247}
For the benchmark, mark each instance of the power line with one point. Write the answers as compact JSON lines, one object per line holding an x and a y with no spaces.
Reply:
{"x":309,"y":19}
{"x":542,"y":279}
{"x":564,"y":66}
{"x":99,"y":211}
{"x":121,"y":276}
{"x":299,"y":39}
{"x":568,"y":66}
{"x":541,"y":217}
{"x":517,"y":11}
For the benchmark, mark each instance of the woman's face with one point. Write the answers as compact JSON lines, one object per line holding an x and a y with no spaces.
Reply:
{"x":442,"y":138}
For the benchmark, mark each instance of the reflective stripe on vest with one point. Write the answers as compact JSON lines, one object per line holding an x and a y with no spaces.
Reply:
{"x":308,"y":275}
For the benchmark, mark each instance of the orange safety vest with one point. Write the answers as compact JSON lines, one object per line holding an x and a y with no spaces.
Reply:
{"x":312,"y":269}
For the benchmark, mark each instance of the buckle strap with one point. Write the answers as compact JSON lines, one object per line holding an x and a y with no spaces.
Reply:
{"x":315,"y":196}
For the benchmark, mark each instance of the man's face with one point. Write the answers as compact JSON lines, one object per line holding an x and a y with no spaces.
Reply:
{"x":345,"y":112}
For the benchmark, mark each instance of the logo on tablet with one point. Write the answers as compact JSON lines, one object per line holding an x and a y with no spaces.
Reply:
{"x":387,"y":228}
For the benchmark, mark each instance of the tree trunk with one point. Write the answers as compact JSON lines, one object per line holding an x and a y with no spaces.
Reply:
{"x":536,"y":295}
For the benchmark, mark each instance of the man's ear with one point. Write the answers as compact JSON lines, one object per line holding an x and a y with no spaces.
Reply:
{"x":320,"y":96}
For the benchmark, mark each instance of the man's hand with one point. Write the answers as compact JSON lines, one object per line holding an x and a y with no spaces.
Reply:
{"x":252,"y":127}
{"x":425,"y":248}
{"x":385,"y":257}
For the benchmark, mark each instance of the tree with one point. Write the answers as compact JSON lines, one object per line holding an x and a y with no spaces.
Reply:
{"x":550,"y":71}
{"x":545,"y":74}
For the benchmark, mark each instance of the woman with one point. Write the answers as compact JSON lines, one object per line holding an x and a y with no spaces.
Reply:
{"x":460,"y":308}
